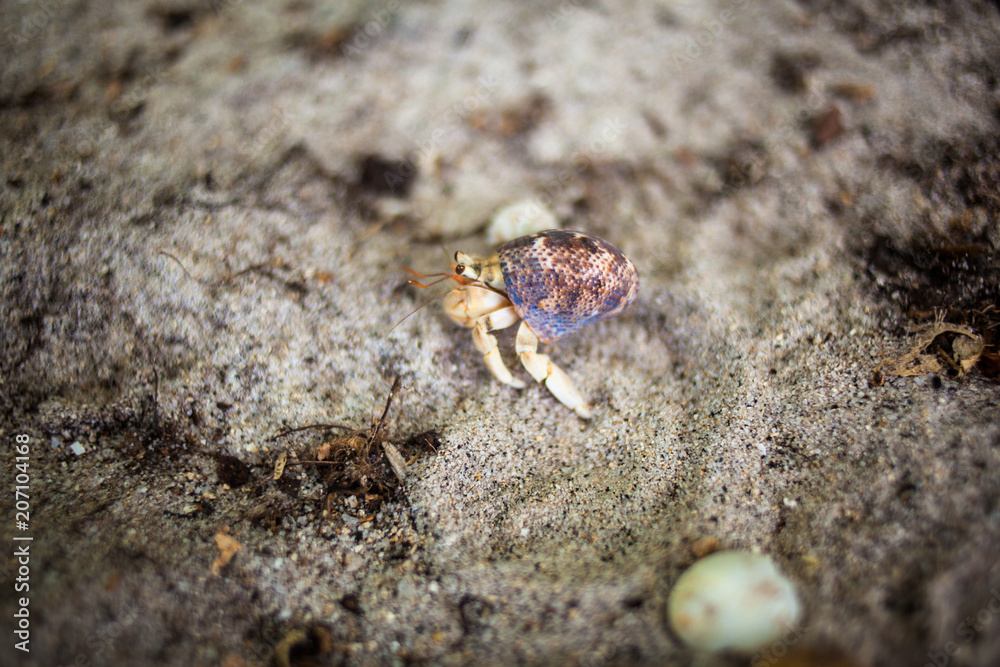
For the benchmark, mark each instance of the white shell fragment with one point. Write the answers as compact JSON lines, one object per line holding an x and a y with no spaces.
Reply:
{"x":732,"y":600}
{"x":396,"y":461}
{"x":525,"y":217}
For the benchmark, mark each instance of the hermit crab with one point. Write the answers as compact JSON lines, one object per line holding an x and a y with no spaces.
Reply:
{"x":553,"y":282}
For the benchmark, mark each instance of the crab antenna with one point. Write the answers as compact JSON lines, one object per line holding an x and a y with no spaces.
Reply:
{"x":430,"y":275}
{"x":414,"y":272}
{"x":423,"y":286}
{"x":444,"y":276}
{"x":425,"y":303}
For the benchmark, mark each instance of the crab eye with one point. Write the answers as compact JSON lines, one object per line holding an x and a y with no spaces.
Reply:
{"x":460,"y":269}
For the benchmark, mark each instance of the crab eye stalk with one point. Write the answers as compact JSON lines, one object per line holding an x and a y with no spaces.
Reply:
{"x":469,"y":270}
{"x":468,"y":266}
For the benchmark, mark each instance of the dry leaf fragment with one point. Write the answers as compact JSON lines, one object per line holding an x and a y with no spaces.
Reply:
{"x":964,"y":353}
{"x":279,"y":465}
{"x":989,"y":364}
{"x":395,"y":460}
{"x":827,"y":126}
{"x":324,"y":451}
{"x":228,"y":547}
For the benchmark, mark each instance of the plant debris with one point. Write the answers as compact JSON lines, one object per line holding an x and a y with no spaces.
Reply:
{"x":395,"y":460}
{"x":827,"y":126}
{"x":855,"y":93}
{"x":279,"y":466}
{"x":358,"y":464}
{"x":228,"y":547}
{"x":938,"y":346}
{"x":231,"y":471}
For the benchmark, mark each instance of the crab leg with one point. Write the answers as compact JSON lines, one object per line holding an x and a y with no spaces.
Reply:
{"x":543,"y":370}
{"x":484,"y":310}
{"x":487,"y":343}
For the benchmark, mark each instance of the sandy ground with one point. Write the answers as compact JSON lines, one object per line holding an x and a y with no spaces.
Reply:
{"x":205,"y":211}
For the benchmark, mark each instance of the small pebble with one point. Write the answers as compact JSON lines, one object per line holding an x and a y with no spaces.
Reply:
{"x":77,"y":448}
{"x":520,"y":219}
{"x":353,"y":561}
{"x":732,"y":600}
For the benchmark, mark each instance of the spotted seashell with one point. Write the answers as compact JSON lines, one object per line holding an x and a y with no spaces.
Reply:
{"x":561,"y":280}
